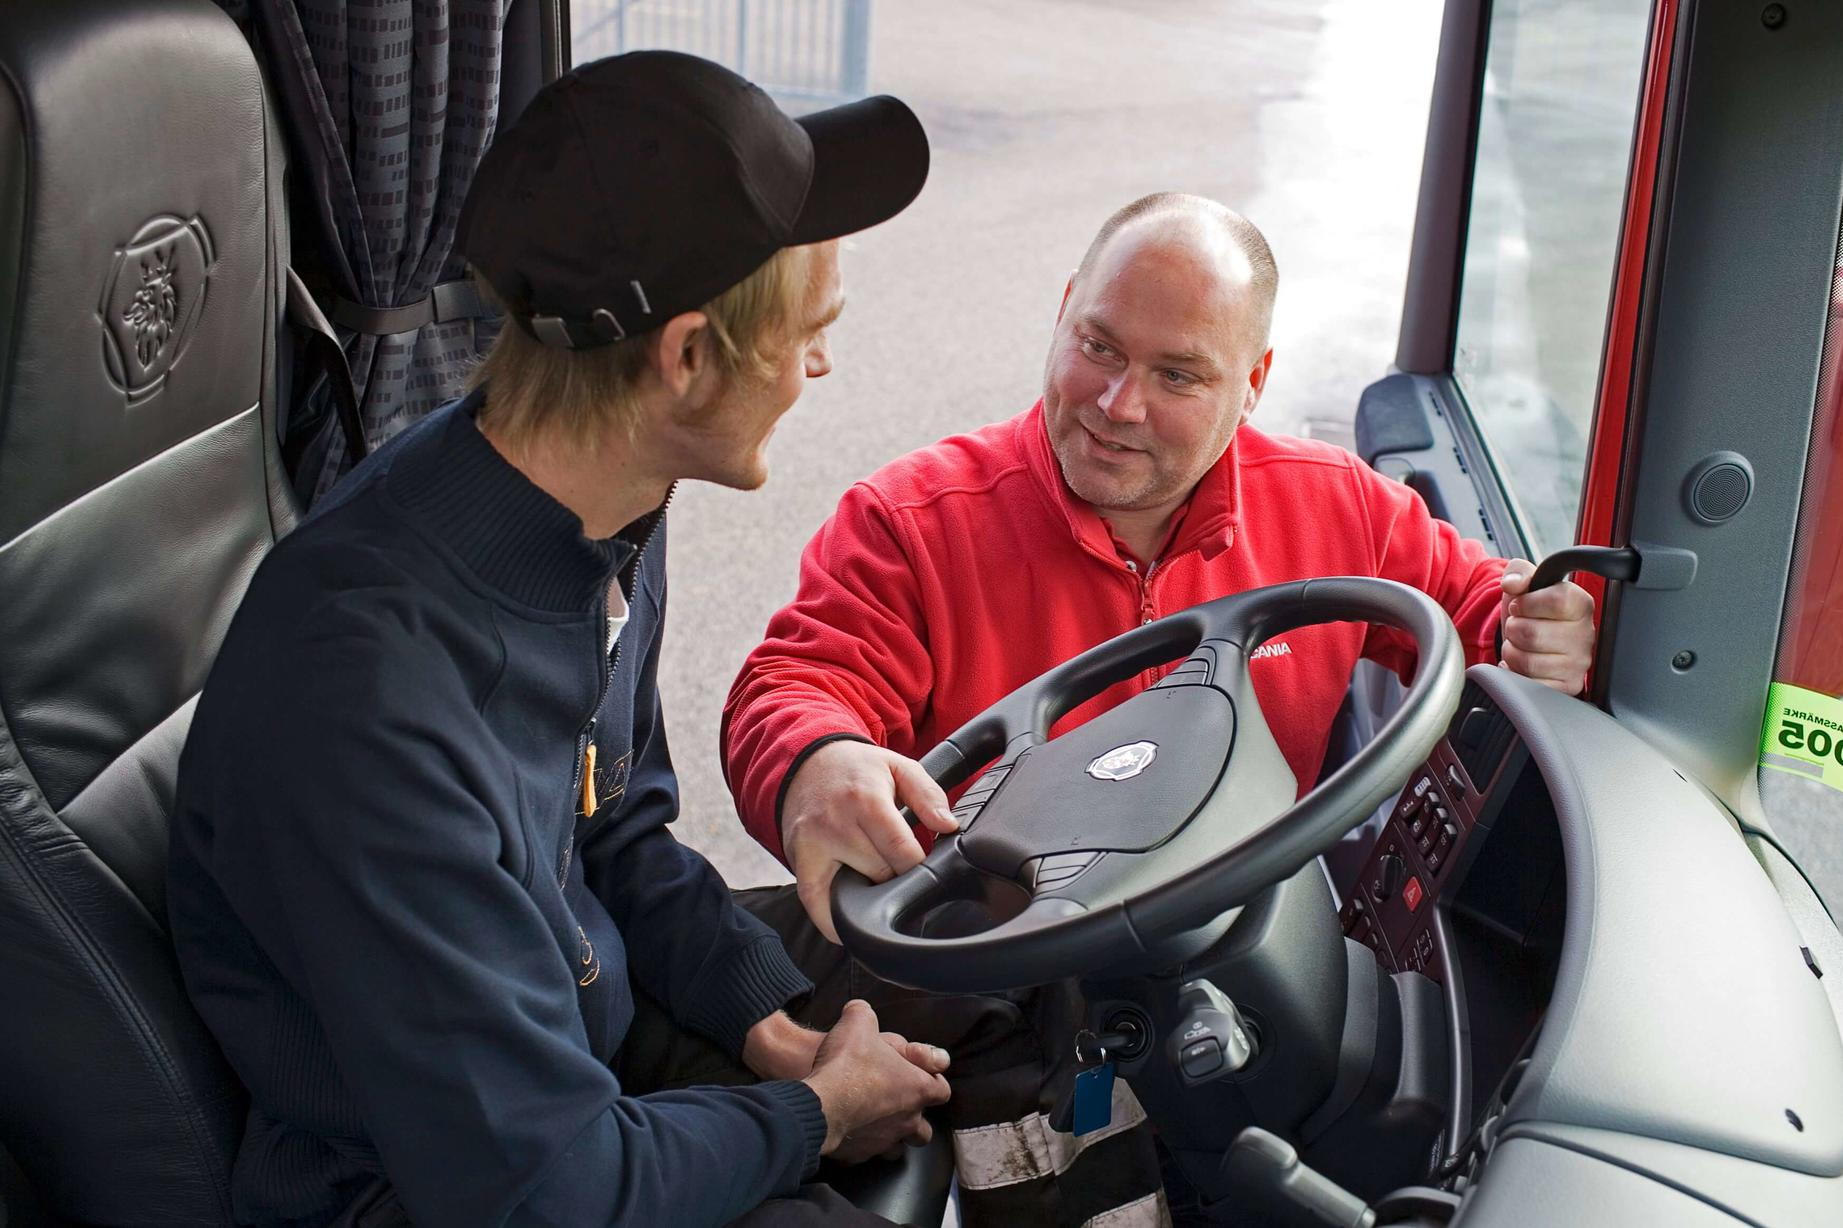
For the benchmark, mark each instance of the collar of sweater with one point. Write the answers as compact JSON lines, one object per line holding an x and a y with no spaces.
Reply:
{"x":511,"y":534}
{"x":1210,"y":519}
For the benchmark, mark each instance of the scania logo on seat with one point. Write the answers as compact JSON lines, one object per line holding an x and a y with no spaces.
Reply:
{"x":155,"y":290}
{"x":1124,"y":762}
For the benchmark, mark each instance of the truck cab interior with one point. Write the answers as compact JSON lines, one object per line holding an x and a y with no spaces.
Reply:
{"x":1521,"y":959}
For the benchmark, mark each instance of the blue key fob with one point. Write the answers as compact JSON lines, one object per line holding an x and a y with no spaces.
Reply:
{"x":1093,"y":1098}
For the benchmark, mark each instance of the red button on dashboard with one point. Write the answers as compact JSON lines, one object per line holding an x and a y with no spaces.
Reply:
{"x":1411,"y":894}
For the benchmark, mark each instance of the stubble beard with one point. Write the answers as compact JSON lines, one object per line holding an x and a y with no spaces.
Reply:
{"x":1108,"y":496}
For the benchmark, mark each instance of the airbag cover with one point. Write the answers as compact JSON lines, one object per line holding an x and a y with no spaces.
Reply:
{"x":1133,"y":800}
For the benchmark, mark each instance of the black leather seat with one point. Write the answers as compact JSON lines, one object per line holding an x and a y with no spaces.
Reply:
{"x":140,"y":295}
{"x":142,"y":258}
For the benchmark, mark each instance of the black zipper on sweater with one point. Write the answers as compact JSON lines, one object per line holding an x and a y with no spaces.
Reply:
{"x":612,"y":657}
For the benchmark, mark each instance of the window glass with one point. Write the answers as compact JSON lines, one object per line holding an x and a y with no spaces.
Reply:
{"x":1801,"y":749}
{"x":1561,"y":95}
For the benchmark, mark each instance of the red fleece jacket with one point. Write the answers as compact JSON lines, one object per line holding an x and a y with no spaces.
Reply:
{"x":955,"y":574}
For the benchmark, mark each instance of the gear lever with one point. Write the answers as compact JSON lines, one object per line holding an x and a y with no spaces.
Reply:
{"x":1262,"y":1161}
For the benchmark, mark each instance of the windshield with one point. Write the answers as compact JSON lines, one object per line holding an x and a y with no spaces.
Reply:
{"x":1561,"y":93}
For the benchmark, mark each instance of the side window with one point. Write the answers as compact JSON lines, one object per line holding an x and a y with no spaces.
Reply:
{"x":1802,"y":743}
{"x":1561,"y":94}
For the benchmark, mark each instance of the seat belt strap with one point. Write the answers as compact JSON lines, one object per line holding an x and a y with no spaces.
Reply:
{"x":449,"y":301}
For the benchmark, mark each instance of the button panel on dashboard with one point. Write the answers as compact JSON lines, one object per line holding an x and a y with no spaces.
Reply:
{"x":1389,"y":908}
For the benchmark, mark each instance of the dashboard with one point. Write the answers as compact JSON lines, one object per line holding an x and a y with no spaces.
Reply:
{"x":1466,"y":885}
{"x":1436,"y":828}
{"x":1651,"y":1020}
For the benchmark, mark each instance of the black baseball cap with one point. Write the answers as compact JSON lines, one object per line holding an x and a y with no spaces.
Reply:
{"x":644,"y":185}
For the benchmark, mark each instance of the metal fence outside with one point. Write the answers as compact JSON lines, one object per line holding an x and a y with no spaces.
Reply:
{"x":814,"y":51}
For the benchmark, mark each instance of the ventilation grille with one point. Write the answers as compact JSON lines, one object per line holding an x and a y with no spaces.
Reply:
{"x":1480,"y":735}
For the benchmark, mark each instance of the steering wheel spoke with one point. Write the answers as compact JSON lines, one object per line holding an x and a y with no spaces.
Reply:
{"x":950,"y":914}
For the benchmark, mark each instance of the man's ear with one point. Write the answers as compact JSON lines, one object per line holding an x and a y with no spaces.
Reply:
{"x":1257,"y":383}
{"x":680,"y":353}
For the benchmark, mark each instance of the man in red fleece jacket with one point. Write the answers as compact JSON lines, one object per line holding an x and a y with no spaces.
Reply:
{"x":1133,"y":489}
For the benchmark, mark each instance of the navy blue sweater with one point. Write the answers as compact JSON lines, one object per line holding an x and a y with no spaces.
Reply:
{"x":415,"y":949}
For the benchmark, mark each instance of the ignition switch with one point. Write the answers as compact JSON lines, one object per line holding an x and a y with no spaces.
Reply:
{"x":1210,"y":1039}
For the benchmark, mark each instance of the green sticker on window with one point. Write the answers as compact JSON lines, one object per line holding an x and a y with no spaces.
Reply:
{"x":1804,"y":734}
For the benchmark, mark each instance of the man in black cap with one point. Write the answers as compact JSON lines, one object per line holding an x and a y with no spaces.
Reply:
{"x":423,"y":943}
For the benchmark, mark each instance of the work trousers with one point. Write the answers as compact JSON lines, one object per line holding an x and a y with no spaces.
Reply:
{"x":1013,"y":1065}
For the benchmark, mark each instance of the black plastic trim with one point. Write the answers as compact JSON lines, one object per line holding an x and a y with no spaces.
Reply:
{"x":1501,"y":519}
{"x":1430,"y":305}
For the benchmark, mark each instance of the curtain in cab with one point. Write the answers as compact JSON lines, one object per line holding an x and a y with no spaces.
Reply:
{"x":388,"y":106}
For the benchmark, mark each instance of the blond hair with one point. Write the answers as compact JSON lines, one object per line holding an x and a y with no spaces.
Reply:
{"x":536,"y":388}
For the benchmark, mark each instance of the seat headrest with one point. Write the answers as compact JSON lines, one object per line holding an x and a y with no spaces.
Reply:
{"x":138,"y":287}
{"x":135,"y":231}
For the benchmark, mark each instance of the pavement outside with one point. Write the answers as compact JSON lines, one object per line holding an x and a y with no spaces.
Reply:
{"x":1045,"y":116}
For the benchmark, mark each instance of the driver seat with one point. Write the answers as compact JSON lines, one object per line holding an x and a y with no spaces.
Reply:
{"x":141,"y":277}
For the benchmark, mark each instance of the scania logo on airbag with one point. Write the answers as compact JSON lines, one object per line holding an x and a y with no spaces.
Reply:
{"x":155,"y":291}
{"x":1124,"y":762}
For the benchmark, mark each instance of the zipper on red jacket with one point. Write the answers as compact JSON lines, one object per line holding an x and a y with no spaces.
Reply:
{"x":1147,"y":611}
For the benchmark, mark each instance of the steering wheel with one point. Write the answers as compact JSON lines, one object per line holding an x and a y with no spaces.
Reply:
{"x":1149,"y":822}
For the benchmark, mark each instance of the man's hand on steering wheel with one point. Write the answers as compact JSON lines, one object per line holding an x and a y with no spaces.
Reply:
{"x":843,"y":807}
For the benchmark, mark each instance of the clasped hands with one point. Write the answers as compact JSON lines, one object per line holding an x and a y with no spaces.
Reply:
{"x":872,"y":1086}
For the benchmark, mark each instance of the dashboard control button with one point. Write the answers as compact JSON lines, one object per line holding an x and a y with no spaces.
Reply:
{"x":1419,"y":825}
{"x":1202,"y":1058}
{"x":988,"y":783}
{"x":1209,"y":1039}
{"x":1058,"y":870}
{"x":1434,"y":860}
{"x":1453,"y":779}
{"x":1389,"y":874}
{"x":1420,"y":952}
{"x":1411,"y":894}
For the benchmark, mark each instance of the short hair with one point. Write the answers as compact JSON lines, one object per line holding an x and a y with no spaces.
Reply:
{"x":1247,"y":237}
{"x":533,"y":387}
